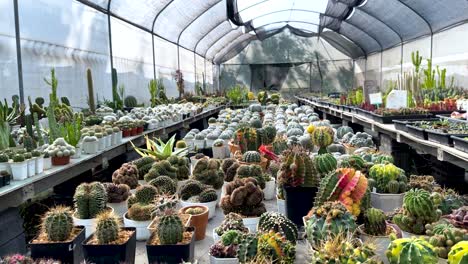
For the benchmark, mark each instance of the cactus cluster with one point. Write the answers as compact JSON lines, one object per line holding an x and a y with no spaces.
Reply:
{"x":195,"y":191}
{"x":57,"y":223}
{"x":140,"y":205}
{"x":227,"y":246}
{"x":345,"y":185}
{"x":170,"y":230}
{"x":182,"y":166}
{"x":126,"y":174}
{"x":107,"y":228}
{"x":116,"y":193}
{"x":164,"y":205}
{"x":325,"y":163}
{"x":328,"y":220}
{"x":425,"y":182}
{"x":443,"y":236}
{"x":229,"y":167}
{"x":247,"y":249}
{"x":418,"y":210}
{"x":278,"y":223}
{"x":208,"y":171}
{"x":387,"y":178}
{"x":375,"y":222}
{"x":411,"y":250}
{"x":251,"y":171}
{"x":243,"y":197}
{"x":275,"y":247}
{"x":252,"y":157}
{"x":459,"y":217}
{"x":297,"y":169}
{"x":247,"y":139}
{"x":159,"y":168}
{"x":231,"y":221}
{"x":90,"y":199}
{"x":164,"y":184}
{"x":143,"y":165}
{"x":60,"y":148}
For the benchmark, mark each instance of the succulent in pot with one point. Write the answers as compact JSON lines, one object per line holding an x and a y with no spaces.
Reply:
{"x":442,"y":236}
{"x":140,"y":210}
{"x":4,"y":159}
{"x":19,"y":167}
{"x":226,"y":248}
{"x":411,"y":250}
{"x":90,"y":200}
{"x":193,"y":192}
{"x":39,"y":161}
{"x":231,"y":221}
{"x":387,"y":183}
{"x":90,"y":144}
{"x":117,"y":195}
{"x":126,"y":174}
{"x":198,"y":219}
{"x":60,"y":152}
{"x":208,"y":171}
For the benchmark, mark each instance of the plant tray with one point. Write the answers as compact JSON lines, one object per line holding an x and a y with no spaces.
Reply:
{"x":417,"y":132}
{"x":171,"y":253}
{"x":452,"y":119}
{"x":443,"y":138}
{"x":389,"y":119}
{"x":402,"y":124}
{"x":460,"y":143}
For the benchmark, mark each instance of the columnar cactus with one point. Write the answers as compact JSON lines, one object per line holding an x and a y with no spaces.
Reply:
{"x":170,"y":230}
{"x":116,"y":193}
{"x":126,"y":174}
{"x":345,"y":185}
{"x":107,"y":228}
{"x":385,"y":178}
{"x":418,"y":210}
{"x":243,"y":197}
{"x":278,"y":223}
{"x":164,"y":184}
{"x":252,"y":171}
{"x":275,"y":247}
{"x":57,"y":223}
{"x":411,"y":250}
{"x":375,"y":222}
{"x":90,"y":199}
{"x":328,"y":220}
{"x":208,"y":171}
{"x":252,"y":157}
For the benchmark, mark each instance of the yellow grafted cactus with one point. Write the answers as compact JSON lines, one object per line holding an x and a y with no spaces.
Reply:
{"x":459,"y":253}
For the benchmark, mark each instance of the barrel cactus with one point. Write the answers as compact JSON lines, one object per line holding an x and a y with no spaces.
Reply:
{"x":345,"y":249}
{"x":323,"y":137}
{"x":269,"y":134}
{"x":256,"y":123}
{"x":375,"y":222}
{"x":459,"y":253}
{"x":352,"y":161}
{"x":130,"y":101}
{"x":343,"y":130}
{"x":443,"y":236}
{"x":411,"y":250}
{"x":90,"y":199}
{"x":275,"y":247}
{"x":208,"y":171}
{"x":325,"y":163}
{"x":278,"y":223}
{"x":252,"y":157}
{"x":345,"y":185}
{"x":107,"y":228}
{"x":170,"y":230}
{"x":57,"y":223}
{"x":328,"y":220}
{"x":164,"y":185}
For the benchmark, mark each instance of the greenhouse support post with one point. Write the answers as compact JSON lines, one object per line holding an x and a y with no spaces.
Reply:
{"x":110,"y":41}
{"x":18,"y":52}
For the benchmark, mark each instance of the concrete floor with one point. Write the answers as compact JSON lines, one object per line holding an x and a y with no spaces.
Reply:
{"x":202,"y":247}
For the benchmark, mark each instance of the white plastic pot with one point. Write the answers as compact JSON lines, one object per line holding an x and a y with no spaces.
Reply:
{"x":270,"y":189}
{"x":19,"y":170}
{"x":199,"y":143}
{"x":218,"y":193}
{"x":39,"y":165}
{"x":108,"y":141}
{"x":209,"y":143}
{"x":119,"y":208}
{"x":251,"y":223}
{"x":226,"y":147}
{"x":47,"y":163}
{"x":190,"y":144}
{"x":118,"y":137}
{"x":5,"y":166}
{"x":102,"y":143}
{"x":77,"y":155}
{"x":89,"y":224}
{"x":281,"y":206}
{"x":216,"y":238}
{"x":215,"y":260}
{"x":381,"y":242}
{"x":386,"y":202}
{"x":219,"y":152}
{"x":31,"y":167}
{"x":91,"y":147}
{"x":211,"y":207}
{"x":142,"y":232}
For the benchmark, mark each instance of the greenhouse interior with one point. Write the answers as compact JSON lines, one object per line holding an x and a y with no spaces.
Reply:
{"x":234,"y":131}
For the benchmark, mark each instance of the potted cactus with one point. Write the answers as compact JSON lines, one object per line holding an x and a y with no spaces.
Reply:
{"x":189,"y":140}
{"x":111,"y":243}
{"x":60,"y":152}
{"x":5,"y":178}
{"x":198,"y":219}
{"x":254,"y":157}
{"x":39,"y":161}
{"x":224,"y":251}
{"x":116,"y":136}
{"x":459,"y":253}
{"x":19,"y":167}
{"x":271,"y":247}
{"x":109,"y":131}
{"x":90,"y":144}
{"x":164,"y":205}
{"x":231,"y":221}
{"x":58,"y":238}
{"x":140,"y":210}
{"x":4,"y":165}
{"x":101,"y":141}
{"x":90,"y":200}
{"x":418,"y":210}
{"x":376,"y":230}
{"x":442,"y":236}
{"x":126,"y":174}
{"x":199,"y":141}
{"x":193,"y":192}
{"x":219,"y":149}
{"x":171,"y":242}
{"x":31,"y":164}
{"x":388,"y":184}
{"x":411,"y":250}
{"x":208,"y":171}
{"x":299,"y":186}
{"x":117,"y":195}
{"x":47,"y":160}
{"x":180,"y":145}
{"x":279,"y":223}
{"x":245,"y":197}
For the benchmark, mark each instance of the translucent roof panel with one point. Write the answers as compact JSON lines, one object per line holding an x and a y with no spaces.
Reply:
{"x":212,"y":37}
{"x":101,"y":3}
{"x":286,"y":16}
{"x":233,"y":48}
{"x":222,"y":42}
{"x":178,"y":15}
{"x":141,"y":12}
{"x":203,"y":25}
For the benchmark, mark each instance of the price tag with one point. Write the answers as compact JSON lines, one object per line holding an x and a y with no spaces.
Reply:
{"x":28,"y":192}
{"x":396,"y":99}
{"x":375,"y":98}
{"x":398,"y":138}
{"x":440,"y":154}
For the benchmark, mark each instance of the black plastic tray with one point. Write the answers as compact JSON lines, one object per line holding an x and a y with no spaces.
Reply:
{"x":442,"y":138}
{"x":417,"y":132}
{"x":460,"y":143}
{"x":389,"y":119}
{"x":402,"y":124}
{"x":452,"y":119}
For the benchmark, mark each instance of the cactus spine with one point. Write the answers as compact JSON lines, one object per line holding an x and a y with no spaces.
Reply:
{"x":278,"y":223}
{"x":170,"y":230}
{"x":107,"y":228}
{"x":57,"y":223}
{"x":374,"y":222}
{"x":90,"y":199}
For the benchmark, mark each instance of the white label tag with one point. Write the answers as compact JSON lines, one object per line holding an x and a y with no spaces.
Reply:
{"x":396,"y":99}
{"x":375,"y":98}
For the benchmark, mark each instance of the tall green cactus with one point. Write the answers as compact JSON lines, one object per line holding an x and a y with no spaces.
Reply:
{"x":442,"y":75}
{"x":90,"y":200}
{"x":53,"y":83}
{"x":417,"y":60}
{"x":37,"y":126}
{"x":117,"y":99}
{"x":429,"y":76}
{"x":28,"y":120}
{"x":54,"y":128}
{"x":57,"y":223}
{"x":170,"y":230}
{"x":91,"y":102}
{"x":107,"y":228}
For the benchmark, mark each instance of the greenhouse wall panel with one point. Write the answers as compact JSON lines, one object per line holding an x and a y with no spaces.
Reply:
{"x":8,"y":63}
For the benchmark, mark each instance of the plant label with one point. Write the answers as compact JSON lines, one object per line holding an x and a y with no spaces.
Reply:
{"x":396,"y":99}
{"x":375,"y":98}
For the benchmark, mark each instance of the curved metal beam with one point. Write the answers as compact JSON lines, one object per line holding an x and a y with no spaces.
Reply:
{"x":159,"y":13}
{"x":256,"y":4}
{"x":218,"y":39}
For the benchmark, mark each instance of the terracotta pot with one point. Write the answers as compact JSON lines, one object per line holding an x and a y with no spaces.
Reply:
{"x":199,"y":221}
{"x":134,"y":131}
{"x":126,"y":133}
{"x":139,"y":130}
{"x":59,"y":161}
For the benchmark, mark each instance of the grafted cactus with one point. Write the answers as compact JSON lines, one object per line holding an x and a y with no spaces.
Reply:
{"x":278,"y":223}
{"x":297,"y":169}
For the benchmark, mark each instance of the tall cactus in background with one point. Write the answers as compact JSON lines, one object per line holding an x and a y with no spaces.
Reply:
{"x":40,"y":139}
{"x":118,"y":103}
{"x":417,"y":60}
{"x":429,"y":76}
{"x":54,"y":128}
{"x":91,"y":102}
{"x":53,"y":83}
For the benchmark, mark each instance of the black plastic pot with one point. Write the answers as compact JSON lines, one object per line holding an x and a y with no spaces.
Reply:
{"x":443,"y":138}
{"x":106,"y":254}
{"x":171,"y":254}
{"x":460,"y":143}
{"x":299,"y":201}
{"x":65,"y":252}
{"x":417,"y":132}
